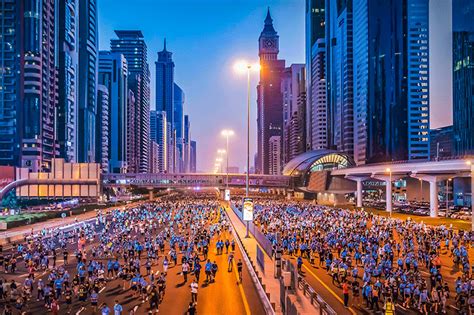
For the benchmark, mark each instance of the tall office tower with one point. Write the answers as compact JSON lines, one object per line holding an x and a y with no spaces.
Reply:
{"x":37,"y":84}
{"x":187,"y":144}
{"x":463,"y":77}
{"x":132,"y":141}
{"x":318,"y":115}
{"x":102,"y":128}
{"x":417,"y":57}
{"x":269,"y":98}
{"x":390,"y":80}
{"x":113,"y":75}
{"x":274,"y":155}
{"x":293,"y":141}
{"x":315,"y":31}
{"x":339,"y":76}
{"x":179,"y":125}
{"x":159,"y":134}
{"x":193,"y":160}
{"x":10,"y":111}
{"x":87,"y":87}
{"x":132,"y":45}
{"x":165,"y":101}
{"x":154,"y":157}
{"x":67,"y":111}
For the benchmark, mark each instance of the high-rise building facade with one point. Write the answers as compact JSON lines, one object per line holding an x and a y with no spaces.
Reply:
{"x":37,"y":86}
{"x":187,"y":144}
{"x":193,"y":160}
{"x":102,"y":128}
{"x":87,"y":87}
{"x":154,"y":159}
{"x":132,"y":45}
{"x":179,"y":126}
{"x":274,"y":155}
{"x":269,"y":98}
{"x":293,"y":93}
{"x":113,"y":75}
{"x":463,"y":77}
{"x":10,"y":109}
{"x":315,"y":11}
{"x":339,"y":76}
{"x":316,"y":118}
{"x":159,"y":134}
{"x":391,"y":85}
{"x":165,"y":83}
{"x":67,"y":111}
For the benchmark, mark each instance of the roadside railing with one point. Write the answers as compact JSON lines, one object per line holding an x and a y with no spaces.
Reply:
{"x":315,"y":299}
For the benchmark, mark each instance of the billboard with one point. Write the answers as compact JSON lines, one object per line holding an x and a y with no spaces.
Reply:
{"x":7,"y":175}
{"x":247,"y":209}
{"x":227,"y":195}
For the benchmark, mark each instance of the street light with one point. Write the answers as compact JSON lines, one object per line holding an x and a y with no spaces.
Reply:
{"x":389,"y":191}
{"x":227,"y":133}
{"x":241,"y":67}
{"x":447,"y":196}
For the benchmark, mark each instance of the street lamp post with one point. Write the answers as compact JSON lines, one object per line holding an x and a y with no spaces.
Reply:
{"x":242,"y":66}
{"x":447,"y":196}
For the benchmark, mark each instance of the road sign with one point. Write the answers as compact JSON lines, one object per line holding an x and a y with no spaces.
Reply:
{"x":227,"y":195}
{"x":248,"y":209}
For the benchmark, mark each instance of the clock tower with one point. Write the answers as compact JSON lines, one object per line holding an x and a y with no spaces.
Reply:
{"x":268,"y":40}
{"x":269,"y":102}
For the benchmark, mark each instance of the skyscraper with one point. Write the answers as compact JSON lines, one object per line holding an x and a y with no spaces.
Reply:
{"x":339,"y":76}
{"x":159,"y":134}
{"x":187,"y":144}
{"x":463,"y":77}
{"x":10,"y":109}
{"x":293,"y":93}
{"x":67,"y":112}
{"x":269,"y":98}
{"x":193,"y":159}
{"x":317,"y":116}
{"x":179,"y":125}
{"x":87,"y":87}
{"x":315,"y":31}
{"x":37,"y":83}
{"x":167,"y":97}
{"x":132,"y":45}
{"x":390,"y":80}
{"x":102,"y":128}
{"x":113,"y":75}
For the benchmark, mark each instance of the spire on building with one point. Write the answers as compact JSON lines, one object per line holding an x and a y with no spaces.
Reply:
{"x":165,"y":55}
{"x":268,"y":28}
{"x":164,"y":46}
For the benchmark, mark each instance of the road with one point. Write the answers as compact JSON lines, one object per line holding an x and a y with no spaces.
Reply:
{"x":224,"y":296}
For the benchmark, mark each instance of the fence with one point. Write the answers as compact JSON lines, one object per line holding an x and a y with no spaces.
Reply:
{"x":316,"y":300}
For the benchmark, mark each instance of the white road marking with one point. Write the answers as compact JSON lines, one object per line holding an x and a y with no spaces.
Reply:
{"x":134,"y":309}
{"x":101,"y":290}
{"x":79,"y":311}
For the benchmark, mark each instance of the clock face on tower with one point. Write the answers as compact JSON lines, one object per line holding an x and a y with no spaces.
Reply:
{"x":269,"y":43}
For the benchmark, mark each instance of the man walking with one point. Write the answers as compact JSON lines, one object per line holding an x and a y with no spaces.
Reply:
{"x":194,"y":291}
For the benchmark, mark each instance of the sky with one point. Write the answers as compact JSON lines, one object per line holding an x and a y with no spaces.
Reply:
{"x":208,"y":36}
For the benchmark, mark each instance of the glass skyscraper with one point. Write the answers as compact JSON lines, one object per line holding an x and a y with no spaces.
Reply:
{"x":463,"y":76}
{"x":391,"y":83}
{"x":87,"y":88}
{"x":132,"y":45}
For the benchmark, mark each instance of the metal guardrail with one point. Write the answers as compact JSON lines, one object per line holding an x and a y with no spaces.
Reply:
{"x":315,"y":299}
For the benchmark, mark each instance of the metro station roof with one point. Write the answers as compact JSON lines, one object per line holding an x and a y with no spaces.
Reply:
{"x":317,"y":160}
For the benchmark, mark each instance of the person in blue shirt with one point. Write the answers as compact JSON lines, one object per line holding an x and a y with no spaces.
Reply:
{"x":299,"y":263}
{"x":58,"y":284}
{"x":118,"y":309}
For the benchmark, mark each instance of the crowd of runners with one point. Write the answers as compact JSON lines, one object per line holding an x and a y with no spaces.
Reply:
{"x":66,"y":271}
{"x":378,"y":263}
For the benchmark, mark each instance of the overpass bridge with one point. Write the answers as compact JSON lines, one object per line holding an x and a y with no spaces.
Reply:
{"x":150,"y":180}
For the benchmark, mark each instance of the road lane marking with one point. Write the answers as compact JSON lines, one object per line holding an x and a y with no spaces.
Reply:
{"x":80,"y":310}
{"x":102,"y":290}
{"x":328,"y":288}
{"x":241,"y":289}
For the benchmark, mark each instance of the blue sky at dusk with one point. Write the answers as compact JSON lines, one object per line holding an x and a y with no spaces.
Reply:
{"x":206,"y":38}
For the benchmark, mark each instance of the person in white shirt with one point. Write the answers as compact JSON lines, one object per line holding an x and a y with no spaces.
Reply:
{"x":194,"y":291}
